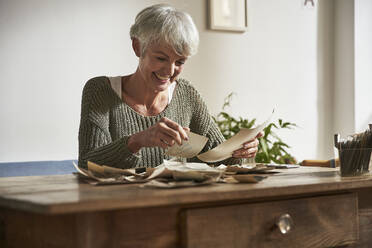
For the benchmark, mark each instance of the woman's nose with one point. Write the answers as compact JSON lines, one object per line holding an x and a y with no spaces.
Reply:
{"x":170,"y":69}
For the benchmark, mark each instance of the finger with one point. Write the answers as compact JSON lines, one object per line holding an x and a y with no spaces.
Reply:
{"x":240,"y":150}
{"x":253,"y":151}
{"x":175,"y":126}
{"x":259,"y":135}
{"x":186,"y":129}
{"x":181,"y":131}
{"x":166,"y":139}
{"x":159,"y":142}
{"x":245,"y":153}
{"x":173,"y":134}
{"x":251,"y":143}
{"x":163,"y":144}
{"x":244,"y":156}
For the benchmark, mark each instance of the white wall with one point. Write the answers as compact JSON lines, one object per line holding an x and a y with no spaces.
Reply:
{"x":344,"y":67}
{"x":363,"y":64}
{"x":352,"y":66}
{"x":325,"y":75}
{"x":49,"y":49}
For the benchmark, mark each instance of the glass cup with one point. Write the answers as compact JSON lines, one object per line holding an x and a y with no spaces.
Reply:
{"x":355,"y":162}
{"x":248,"y":160}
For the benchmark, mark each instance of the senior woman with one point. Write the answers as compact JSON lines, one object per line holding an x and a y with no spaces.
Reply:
{"x":128,"y":121}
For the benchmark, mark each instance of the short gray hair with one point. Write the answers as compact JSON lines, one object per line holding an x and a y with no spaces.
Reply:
{"x":163,"y":23}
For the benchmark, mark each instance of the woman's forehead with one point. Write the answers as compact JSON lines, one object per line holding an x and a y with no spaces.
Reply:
{"x":165,"y":49}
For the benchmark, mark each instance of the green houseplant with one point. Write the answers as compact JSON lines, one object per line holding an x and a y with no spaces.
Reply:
{"x":271,"y":147}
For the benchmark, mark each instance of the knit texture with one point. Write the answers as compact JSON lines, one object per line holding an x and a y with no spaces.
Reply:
{"x":107,"y":122}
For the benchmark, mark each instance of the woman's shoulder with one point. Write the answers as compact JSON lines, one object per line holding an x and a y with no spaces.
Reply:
{"x":97,"y":90}
{"x":187,"y":89}
{"x":185,"y":85}
{"x":97,"y":86}
{"x":97,"y":82}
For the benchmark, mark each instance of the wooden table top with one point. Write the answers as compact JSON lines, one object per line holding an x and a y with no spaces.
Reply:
{"x":60,"y":194}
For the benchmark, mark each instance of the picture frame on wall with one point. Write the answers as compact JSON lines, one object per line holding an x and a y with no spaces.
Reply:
{"x":228,"y":15}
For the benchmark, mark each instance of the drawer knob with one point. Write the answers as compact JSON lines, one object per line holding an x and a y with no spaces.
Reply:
{"x":285,"y":223}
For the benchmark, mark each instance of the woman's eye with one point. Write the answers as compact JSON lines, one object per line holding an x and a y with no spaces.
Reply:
{"x":160,"y":58}
{"x":181,"y":62}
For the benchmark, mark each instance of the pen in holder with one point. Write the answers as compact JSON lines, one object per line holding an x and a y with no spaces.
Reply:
{"x":355,"y":153}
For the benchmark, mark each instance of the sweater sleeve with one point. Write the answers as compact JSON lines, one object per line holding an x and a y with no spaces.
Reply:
{"x":95,"y":141}
{"x":203,"y":124}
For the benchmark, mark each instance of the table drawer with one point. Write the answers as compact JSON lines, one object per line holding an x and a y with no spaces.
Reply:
{"x":323,"y":221}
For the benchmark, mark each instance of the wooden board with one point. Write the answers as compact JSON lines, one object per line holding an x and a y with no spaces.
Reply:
{"x":59,"y":211}
{"x":365,"y":227}
{"x":65,"y":194}
{"x":152,"y":228}
{"x":326,"y":221}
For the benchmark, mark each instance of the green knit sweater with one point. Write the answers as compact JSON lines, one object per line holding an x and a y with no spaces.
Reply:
{"x":107,"y":122}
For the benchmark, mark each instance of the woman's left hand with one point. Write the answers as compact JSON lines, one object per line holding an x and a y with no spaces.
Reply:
{"x":249,"y":149}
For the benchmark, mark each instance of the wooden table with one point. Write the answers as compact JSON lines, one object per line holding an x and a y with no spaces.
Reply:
{"x":58,"y":211}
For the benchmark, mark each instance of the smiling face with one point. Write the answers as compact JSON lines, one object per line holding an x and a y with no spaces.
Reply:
{"x":159,"y":66}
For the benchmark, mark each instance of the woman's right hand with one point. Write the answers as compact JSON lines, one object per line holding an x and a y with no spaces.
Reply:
{"x":163,"y":134}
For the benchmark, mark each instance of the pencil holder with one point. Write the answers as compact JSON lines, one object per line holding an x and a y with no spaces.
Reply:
{"x":354,"y":161}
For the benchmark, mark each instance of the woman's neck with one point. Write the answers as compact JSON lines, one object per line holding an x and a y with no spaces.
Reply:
{"x":141,"y":98}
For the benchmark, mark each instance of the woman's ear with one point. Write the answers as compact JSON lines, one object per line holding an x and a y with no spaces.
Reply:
{"x":136,"y":47}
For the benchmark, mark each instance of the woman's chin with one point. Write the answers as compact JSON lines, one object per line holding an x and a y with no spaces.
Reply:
{"x":160,"y":85}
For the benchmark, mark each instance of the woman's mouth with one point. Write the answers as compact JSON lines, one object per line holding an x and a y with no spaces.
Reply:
{"x":163,"y":79}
